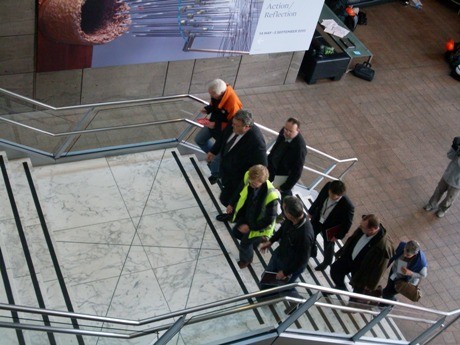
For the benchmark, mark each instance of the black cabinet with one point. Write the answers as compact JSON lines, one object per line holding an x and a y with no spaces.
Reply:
{"x":317,"y":65}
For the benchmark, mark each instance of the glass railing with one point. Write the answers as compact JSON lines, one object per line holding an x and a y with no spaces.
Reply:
{"x":36,"y":128}
{"x":66,"y":131}
{"x":252,"y":316}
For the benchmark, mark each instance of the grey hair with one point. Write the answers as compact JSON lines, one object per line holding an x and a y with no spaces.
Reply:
{"x":218,"y":86}
{"x":245,"y":117}
{"x":293,"y":206}
{"x":412,"y":247}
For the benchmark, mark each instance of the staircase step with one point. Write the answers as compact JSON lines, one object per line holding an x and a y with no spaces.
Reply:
{"x":349,"y":323}
{"x":128,"y":229}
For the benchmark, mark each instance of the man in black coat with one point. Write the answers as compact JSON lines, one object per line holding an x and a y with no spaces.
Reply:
{"x":287,"y":157}
{"x":241,"y":146}
{"x":332,"y":210}
{"x":296,"y":239}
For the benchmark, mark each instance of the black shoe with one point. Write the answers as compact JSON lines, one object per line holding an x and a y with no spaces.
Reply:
{"x":326,"y":294}
{"x":321,"y":267}
{"x":291,"y":308}
{"x":213,"y":179}
{"x":224,"y":217}
{"x":243,"y":264}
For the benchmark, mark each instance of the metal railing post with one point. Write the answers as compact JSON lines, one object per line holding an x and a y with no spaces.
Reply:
{"x":427,"y":332}
{"x":171,"y":332}
{"x":302,"y":308}
{"x":83,"y":123}
{"x":371,"y":324}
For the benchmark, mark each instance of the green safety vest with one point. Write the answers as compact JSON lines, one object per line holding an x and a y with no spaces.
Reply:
{"x":272,"y":194}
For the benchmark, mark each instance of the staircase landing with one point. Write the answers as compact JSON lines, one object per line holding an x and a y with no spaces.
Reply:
{"x":132,"y":242}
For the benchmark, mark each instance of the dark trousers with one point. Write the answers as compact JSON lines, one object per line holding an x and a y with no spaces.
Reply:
{"x":276,"y":265}
{"x":225,"y":196}
{"x":246,"y":244}
{"x":328,"y":245}
{"x":339,"y":269}
{"x":389,"y":291}
{"x":229,"y":187}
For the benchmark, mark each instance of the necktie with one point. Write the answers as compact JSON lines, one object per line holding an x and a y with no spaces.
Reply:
{"x":230,"y":143}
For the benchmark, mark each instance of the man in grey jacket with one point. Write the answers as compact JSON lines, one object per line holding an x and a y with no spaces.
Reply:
{"x":450,"y":183}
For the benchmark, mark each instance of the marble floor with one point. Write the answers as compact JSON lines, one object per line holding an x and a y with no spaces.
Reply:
{"x":129,"y":235}
{"x":132,"y":242}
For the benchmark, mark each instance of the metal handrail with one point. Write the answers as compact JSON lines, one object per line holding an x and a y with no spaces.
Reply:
{"x":321,"y":153}
{"x":215,"y":313}
{"x":102,"y":129}
{"x":103,"y":104}
{"x":312,"y":148}
{"x":322,"y":174}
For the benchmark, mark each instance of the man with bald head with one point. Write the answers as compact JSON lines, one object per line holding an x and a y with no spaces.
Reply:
{"x":365,"y":255}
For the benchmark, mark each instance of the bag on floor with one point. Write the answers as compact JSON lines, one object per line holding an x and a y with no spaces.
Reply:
{"x":408,"y":290}
{"x":362,"y":18}
{"x":364,"y":71}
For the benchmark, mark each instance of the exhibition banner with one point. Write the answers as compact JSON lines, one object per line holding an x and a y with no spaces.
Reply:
{"x":100,"y":33}
{"x":285,"y":25}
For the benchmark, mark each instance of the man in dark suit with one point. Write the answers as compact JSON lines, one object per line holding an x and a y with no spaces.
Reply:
{"x":240,"y":147}
{"x":332,"y":210}
{"x":287,"y":157}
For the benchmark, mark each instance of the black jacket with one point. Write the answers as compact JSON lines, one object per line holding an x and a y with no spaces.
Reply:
{"x":248,"y":151}
{"x":254,"y":212}
{"x":293,"y":160}
{"x":295,"y":245}
{"x":342,"y":214}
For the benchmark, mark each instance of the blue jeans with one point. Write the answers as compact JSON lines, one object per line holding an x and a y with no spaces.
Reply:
{"x":275,"y":265}
{"x":205,"y":141}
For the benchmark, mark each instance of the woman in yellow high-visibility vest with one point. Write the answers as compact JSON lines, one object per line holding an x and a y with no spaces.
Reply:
{"x":255,"y":212}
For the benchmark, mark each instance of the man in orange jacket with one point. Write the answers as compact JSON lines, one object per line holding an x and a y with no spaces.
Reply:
{"x":223,"y":106}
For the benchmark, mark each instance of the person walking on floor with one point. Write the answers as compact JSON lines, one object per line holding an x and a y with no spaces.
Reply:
{"x":408,"y":265}
{"x":449,"y":183}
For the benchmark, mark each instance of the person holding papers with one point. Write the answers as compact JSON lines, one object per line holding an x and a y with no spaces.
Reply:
{"x":287,"y":157}
{"x":331,"y":215}
{"x":409,"y":265}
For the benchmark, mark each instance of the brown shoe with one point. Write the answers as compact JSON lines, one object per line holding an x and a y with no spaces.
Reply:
{"x":243,"y":264}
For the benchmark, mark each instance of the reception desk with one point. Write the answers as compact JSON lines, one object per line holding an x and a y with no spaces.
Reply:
{"x":333,"y":66}
{"x":359,"y":53}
